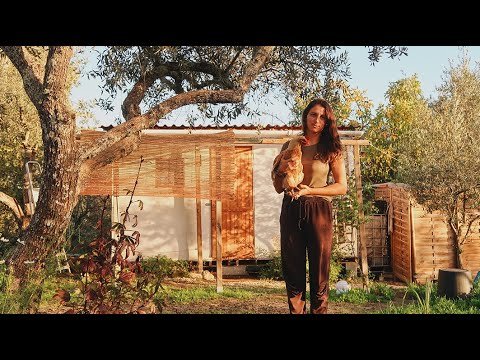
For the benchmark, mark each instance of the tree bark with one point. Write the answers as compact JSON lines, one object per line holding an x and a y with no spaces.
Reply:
{"x":457,"y":246}
{"x":58,"y":196}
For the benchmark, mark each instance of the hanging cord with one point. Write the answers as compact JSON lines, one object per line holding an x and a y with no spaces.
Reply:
{"x":306,"y":212}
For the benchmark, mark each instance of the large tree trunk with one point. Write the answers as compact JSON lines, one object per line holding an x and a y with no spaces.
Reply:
{"x":59,"y":186}
{"x":58,"y":197}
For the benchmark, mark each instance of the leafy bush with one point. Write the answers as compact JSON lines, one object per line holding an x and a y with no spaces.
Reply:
{"x":110,"y":281}
{"x":163,"y":267}
{"x":382,"y":291}
{"x":335,"y":270}
{"x":273,"y":269}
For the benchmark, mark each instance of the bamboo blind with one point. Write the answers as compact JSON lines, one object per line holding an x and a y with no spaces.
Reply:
{"x":172,"y":166}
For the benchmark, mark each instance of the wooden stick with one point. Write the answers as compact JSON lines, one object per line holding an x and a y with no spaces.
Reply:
{"x":199,"y":211}
{"x":219,"y":247}
{"x":363,"y":246}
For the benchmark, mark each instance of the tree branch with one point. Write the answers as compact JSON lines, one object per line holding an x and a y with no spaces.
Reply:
{"x":30,"y":72}
{"x":259,"y":59}
{"x":227,"y":69}
{"x":470,"y":223}
{"x":13,"y":205}
{"x":124,"y":138}
{"x":131,"y":104}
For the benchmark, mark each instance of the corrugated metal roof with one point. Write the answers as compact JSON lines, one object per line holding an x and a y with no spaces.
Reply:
{"x":226,"y":127}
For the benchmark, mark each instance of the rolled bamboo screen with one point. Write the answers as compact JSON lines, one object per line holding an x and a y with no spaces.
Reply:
{"x":169,"y":167}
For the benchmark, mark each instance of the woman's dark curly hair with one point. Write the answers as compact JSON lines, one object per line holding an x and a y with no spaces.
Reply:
{"x":329,"y":146}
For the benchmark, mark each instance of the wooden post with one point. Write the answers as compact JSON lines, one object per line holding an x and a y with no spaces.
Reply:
{"x":29,"y":155}
{"x":199,"y":211}
{"x":219,"y":247}
{"x":412,"y":242}
{"x":199,"y":235}
{"x":392,"y":234}
{"x":362,"y":240}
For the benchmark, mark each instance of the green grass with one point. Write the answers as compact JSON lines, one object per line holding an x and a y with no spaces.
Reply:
{"x":175,"y":295}
{"x":378,"y":293}
{"x":426,"y":301}
{"x":54,"y":283}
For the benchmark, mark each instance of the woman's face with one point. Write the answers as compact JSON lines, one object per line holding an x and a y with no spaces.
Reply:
{"x":316,"y":120}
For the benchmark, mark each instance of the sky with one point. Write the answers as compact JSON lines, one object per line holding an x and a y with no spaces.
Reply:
{"x":428,"y":62}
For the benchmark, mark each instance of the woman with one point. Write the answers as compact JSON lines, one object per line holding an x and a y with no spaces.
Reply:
{"x":306,"y":219}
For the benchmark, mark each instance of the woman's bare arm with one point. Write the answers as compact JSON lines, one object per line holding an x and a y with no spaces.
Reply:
{"x":338,"y":188}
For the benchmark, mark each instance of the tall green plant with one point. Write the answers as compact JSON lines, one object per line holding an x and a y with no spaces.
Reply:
{"x":111,"y":282}
{"x":423,"y":300}
{"x":389,"y":129}
{"x":347,"y":209}
{"x":351,"y":106}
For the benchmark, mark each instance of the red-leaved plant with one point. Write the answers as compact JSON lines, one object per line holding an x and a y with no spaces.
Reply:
{"x":111,"y":282}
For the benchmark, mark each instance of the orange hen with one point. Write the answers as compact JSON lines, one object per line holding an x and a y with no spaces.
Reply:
{"x":293,"y":153}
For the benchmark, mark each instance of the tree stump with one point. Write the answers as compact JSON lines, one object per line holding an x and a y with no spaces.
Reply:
{"x":453,"y":283}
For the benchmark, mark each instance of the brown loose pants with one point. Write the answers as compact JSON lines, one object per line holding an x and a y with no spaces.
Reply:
{"x":306,"y":224}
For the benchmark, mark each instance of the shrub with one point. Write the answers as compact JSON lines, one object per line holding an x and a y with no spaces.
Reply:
{"x":162,"y":267}
{"x":273,"y":269}
{"x":383,"y":292}
{"x":110,"y":282}
{"x":335,"y":270}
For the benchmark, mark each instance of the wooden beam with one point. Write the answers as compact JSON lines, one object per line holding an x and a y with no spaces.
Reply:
{"x":281,"y":140}
{"x":275,"y":141}
{"x":213,"y":208}
{"x":199,"y":211}
{"x":412,"y":244}
{"x":354,"y":142}
{"x":362,"y":240}
{"x":199,"y":236}
{"x":219,"y":248}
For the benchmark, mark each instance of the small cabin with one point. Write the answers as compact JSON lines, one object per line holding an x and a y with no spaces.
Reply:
{"x":180,"y":181}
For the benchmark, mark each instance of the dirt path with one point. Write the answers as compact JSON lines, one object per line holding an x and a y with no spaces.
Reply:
{"x":269,"y":298}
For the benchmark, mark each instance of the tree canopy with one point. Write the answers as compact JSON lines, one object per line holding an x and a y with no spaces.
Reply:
{"x":19,"y":130}
{"x":389,"y":127}
{"x":290,"y":72}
